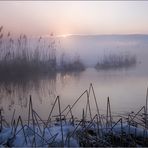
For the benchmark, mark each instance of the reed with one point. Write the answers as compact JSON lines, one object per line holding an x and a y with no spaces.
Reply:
{"x":116,"y":61}
{"x":23,"y":57}
{"x":98,"y":131}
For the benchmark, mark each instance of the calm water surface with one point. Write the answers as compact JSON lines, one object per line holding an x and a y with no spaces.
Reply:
{"x":126,"y":89}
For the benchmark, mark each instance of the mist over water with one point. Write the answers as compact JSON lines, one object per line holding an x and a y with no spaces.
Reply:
{"x":91,"y":48}
{"x":125,"y":87}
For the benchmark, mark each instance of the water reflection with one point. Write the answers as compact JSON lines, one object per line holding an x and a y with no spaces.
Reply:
{"x":15,"y":94}
{"x":126,"y":89}
{"x":65,"y":78}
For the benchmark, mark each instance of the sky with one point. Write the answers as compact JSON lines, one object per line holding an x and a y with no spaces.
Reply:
{"x":74,"y":17}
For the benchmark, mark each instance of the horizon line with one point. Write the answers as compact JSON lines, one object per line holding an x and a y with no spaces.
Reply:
{"x":69,"y":35}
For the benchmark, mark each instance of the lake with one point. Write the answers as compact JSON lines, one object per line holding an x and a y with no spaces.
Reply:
{"x":126,"y":88}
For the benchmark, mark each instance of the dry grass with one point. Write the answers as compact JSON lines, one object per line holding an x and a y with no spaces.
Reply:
{"x":98,"y":131}
{"x":20,"y":59}
{"x":114,"y":61}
